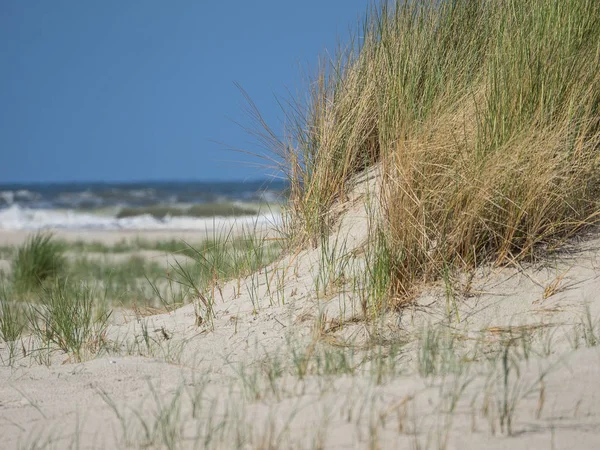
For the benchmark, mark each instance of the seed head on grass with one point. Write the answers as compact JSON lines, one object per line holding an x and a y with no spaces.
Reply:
{"x":39,"y":259}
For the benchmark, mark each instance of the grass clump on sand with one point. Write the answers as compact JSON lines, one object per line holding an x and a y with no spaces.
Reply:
{"x":38,"y":259}
{"x":482,"y":117}
{"x":218,"y":259}
{"x":66,"y":316}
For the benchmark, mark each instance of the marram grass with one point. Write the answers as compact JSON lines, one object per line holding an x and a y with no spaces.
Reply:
{"x":67,"y":316}
{"x":483,"y":116}
{"x":38,"y":259}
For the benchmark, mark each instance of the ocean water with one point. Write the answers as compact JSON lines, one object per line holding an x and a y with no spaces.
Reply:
{"x":131,"y":206}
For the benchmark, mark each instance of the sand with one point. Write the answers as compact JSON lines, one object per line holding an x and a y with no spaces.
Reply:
{"x":170,"y":382}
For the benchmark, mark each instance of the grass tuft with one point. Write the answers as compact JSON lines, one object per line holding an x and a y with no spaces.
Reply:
{"x":66,"y":316}
{"x":38,"y":259}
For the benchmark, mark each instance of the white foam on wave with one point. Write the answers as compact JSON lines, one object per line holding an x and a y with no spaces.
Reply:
{"x":18,"y":218}
{"x":7,"y":197}
{"x":10,"y":197}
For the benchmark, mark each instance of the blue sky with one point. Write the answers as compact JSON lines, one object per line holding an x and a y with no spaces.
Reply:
{"x":123,"y":90}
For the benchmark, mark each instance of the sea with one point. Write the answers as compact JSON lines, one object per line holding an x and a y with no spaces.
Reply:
{"x":138,"y":205}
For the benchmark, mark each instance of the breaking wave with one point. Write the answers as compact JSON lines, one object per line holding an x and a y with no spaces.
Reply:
{"x":19,"y":218}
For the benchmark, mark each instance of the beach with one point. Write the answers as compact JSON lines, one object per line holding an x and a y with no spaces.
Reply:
{"x":283,"y":359}
{"x":425,"y":277}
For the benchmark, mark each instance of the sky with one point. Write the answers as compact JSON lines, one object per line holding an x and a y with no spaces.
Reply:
{"x":130,"y":90}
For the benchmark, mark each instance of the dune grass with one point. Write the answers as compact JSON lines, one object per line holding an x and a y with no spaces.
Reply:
{"x":68,"y":316}
{"x":208,"y":210}
{"x":40,"y":258}
{"x":175,"y":246}
{"x":86,"y":268}
{"x":141,"y":281}
{"x":220,"y":258}
{"x":6,"y":251}
{"x":12,"y":320}
{"x":123,"y":281}
{"x":483,"y":118}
